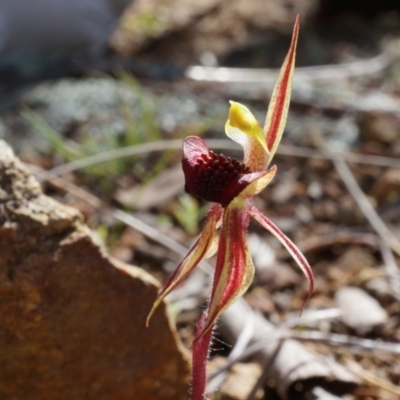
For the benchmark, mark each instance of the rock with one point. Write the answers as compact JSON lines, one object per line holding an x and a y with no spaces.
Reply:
{"x":379,"y":126}
{"x":186,"y":32}
{"x":360,"y":311}
{"x":34,"y":47}
{"x":74,"y":26}
{"x":240,"y":381}
{"x":387,"y":186}
{"x":73,"y":319}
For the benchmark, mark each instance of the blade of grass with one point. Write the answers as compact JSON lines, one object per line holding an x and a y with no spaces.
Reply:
{"x":61,"y":146}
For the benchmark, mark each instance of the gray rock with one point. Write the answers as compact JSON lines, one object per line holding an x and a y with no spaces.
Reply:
{"x":45,"y":27}
{"x":360,"y":311}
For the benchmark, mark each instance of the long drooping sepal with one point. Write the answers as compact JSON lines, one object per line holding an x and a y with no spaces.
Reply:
{"x":204,"y":247}
{"x":279,"y":104}
{"x":290,"y":247}
{"x":234,"y":269}
{"x":201,"y":348}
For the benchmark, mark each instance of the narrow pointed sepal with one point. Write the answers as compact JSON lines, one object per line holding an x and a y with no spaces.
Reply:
{"x":280,"y":99}
{"x":234,"y":269}
{"x":204,"y":247}
{"x":289,"y":245}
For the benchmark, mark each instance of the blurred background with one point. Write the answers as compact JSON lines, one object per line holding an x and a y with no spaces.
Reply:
{"x":97,"y":76}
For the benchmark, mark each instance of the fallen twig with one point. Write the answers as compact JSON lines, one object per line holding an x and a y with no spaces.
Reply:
{"x":392,"y":270}
{"x":216,"y":379}
{"x":372,"y":379}
{"x":293,"y":363}
{"x":256,"y":75}
{"x":365,"y":206}
{"x":326,"y":241}
{"x":163,"y":145}
{"x":268,"y":364}
{"x":354,"y":343}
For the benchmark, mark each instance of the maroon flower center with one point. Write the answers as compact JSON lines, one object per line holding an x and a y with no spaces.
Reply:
{"x":214,"y":175}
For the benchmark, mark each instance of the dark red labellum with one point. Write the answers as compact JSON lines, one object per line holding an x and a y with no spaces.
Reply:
{"x":209,"y":176}
{"x":215,"y":173}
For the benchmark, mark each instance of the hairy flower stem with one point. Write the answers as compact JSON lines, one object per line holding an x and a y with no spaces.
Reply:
{"x":201,"y":346}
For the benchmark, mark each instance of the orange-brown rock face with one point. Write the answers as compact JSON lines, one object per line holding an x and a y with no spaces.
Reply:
{"x":72,"y":320}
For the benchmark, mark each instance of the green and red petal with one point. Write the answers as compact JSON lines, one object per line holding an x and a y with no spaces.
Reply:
{"x":204,"y":247}
{"x":234,"y":269}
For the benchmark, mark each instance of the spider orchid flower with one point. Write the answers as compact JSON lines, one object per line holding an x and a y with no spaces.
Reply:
{"x":231,"y":186}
